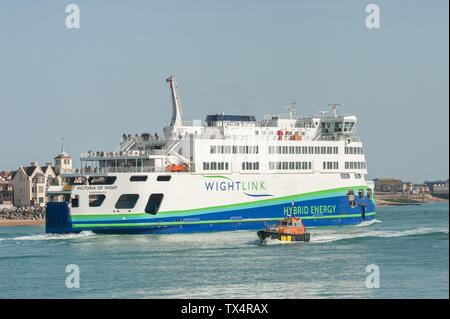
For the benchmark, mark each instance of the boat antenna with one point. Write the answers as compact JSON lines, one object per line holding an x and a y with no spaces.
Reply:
{"x":292,"y":110}
{"x":335,"y":106}
{"x":289,"y":214}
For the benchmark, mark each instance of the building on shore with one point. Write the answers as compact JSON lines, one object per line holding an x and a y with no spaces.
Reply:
{"x":4,"y":176}
{"x":392,"y":185}
{"x":440,"y":190}
{"x":6,"y":192}
{"x":421,"y":189}
{"x":30,"y":182}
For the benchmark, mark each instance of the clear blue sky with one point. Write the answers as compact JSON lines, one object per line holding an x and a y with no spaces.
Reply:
{"x":239,"y":57}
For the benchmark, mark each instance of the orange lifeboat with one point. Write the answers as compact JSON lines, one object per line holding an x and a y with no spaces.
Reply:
{"x":175,"y":167}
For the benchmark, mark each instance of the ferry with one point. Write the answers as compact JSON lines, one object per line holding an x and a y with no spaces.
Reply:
{"x":230,"y":172}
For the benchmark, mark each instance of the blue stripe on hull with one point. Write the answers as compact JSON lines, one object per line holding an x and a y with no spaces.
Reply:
{"x":195,"y":228}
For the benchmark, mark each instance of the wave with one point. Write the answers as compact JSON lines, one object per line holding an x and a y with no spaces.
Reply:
{"x":368,"y":223}
{"x":85,"y":233}
{"x":273,"y":241}
{"x":383,"y":234}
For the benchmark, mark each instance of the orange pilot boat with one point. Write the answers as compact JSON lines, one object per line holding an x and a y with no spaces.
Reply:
{"x":287,"y":229}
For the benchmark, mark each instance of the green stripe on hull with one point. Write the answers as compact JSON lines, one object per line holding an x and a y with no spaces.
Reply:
{"x":210,"y":221}
{"x":230,"y":206}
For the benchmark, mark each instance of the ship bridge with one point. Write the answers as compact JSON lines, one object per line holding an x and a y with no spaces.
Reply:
{"x":230,"y":120}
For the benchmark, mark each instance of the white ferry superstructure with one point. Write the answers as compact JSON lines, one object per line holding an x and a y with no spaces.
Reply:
{"x":232,"y":172}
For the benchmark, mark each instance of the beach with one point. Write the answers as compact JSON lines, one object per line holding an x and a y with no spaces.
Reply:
{"x":13,"y":222}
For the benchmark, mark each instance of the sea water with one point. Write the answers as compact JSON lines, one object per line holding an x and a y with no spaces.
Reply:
{"x":408,"y":246}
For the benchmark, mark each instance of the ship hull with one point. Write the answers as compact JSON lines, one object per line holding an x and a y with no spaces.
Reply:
{"x":263,"y":235}
{"x":329,"y":207}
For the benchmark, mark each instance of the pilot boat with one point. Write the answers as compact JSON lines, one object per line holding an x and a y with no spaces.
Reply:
{"x":288,"y":229}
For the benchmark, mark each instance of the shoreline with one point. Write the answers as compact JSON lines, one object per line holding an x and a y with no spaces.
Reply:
{"x":387,"y":200}
{"x":18,"y":222}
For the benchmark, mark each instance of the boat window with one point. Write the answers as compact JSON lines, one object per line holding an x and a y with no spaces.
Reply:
{"x":345,"y":176}
{"x":351,"y":198}
{"x":346,"y":126}
{"x":138,"y":178}
{"x":289,"y":224}
{"x":80,"y":180}
{"x":153,"y":204}
{"x":163,"y":178}
{"x":102,"y":180}
{"x":369,"y":193}
{"x":96,"y":200}
{"x":357,"y":175}
{"x":75,"y":201}
{"x":127,"y":201}
{"x":361,"y":193}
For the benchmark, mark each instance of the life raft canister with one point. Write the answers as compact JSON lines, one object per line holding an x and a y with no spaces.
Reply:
{"x":280,"y":135}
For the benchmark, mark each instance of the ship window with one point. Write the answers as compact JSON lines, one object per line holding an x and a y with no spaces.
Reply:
{"x":351,"y":198}
{"x":127,"y":201}
{"x":153,"y":204}
{"x":361,"y":193}
{"x":138,"y":178}
{"x":164,"y":178}
{"x":102,"y":180}
{"x":346,"y":126}
{"x":345,"y":176}
{"x":357,"y":175}
{"x":96,"y":200}
{"x":351,"y":126}
{"x":79,"y":180}
{"x":369,"y":193}
{"x":75,"y":201}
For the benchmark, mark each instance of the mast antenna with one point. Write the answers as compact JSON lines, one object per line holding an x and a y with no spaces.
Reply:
{"x":335,"y":106}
